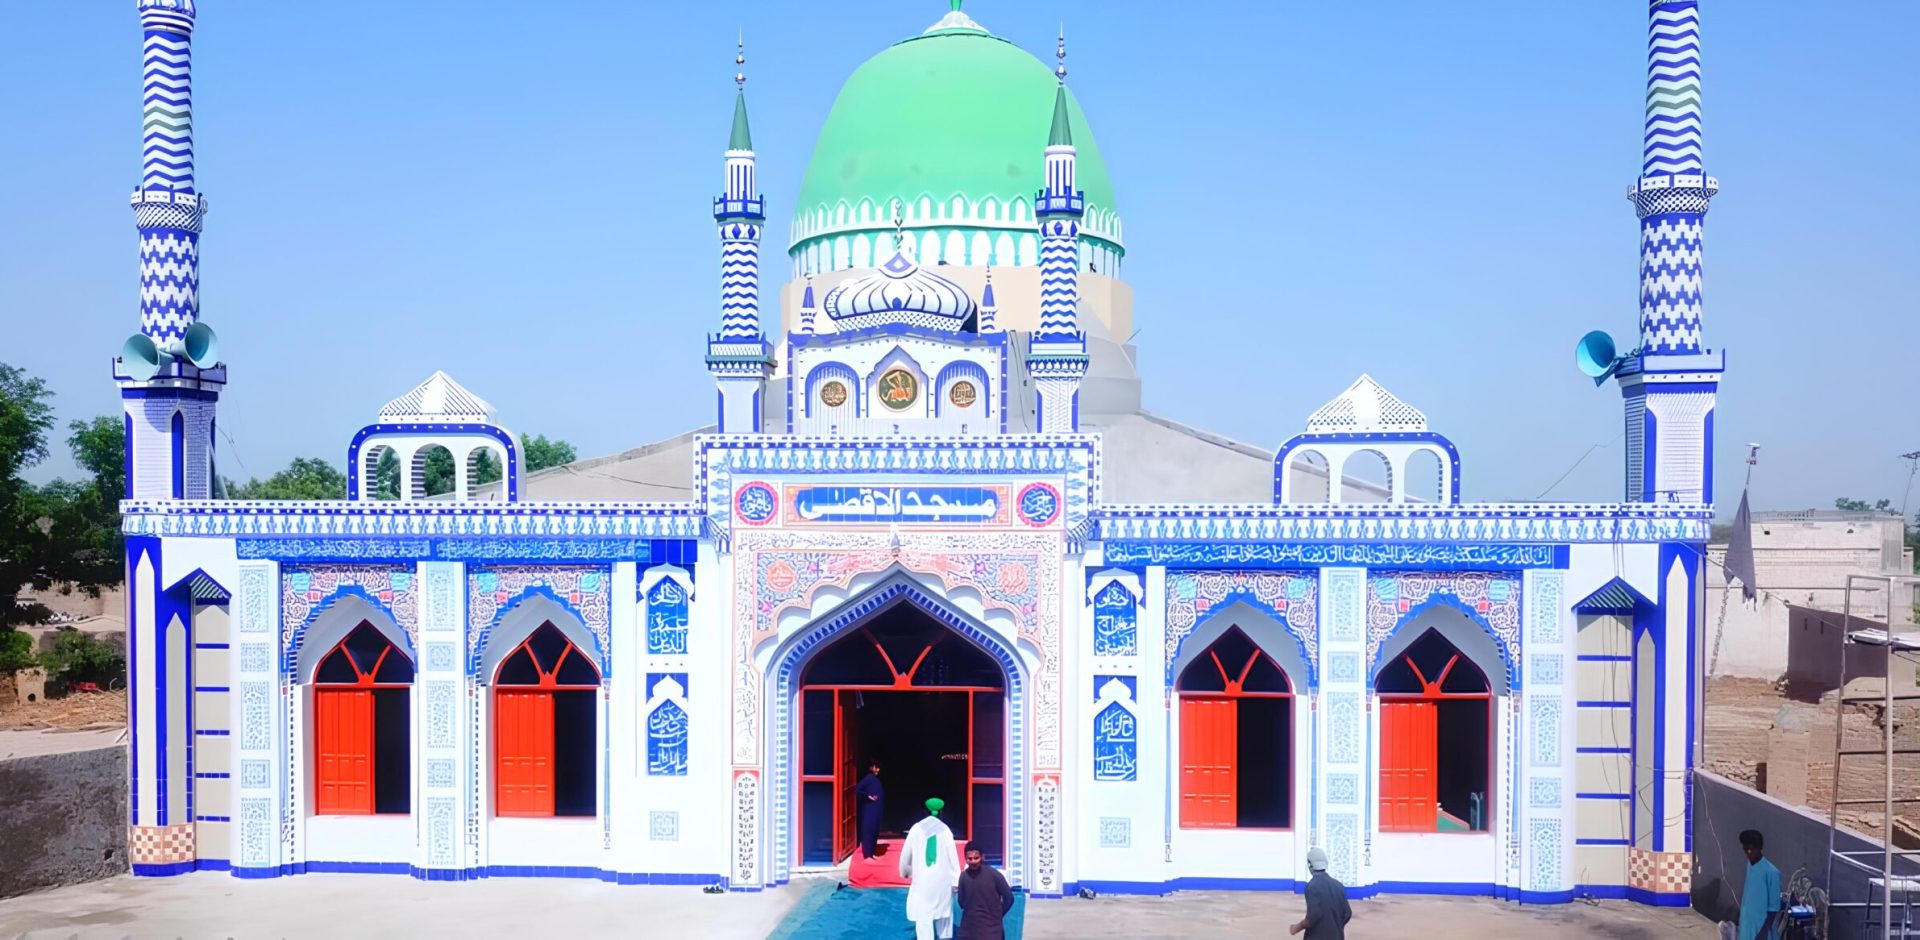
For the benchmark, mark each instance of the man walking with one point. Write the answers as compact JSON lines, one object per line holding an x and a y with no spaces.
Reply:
{"x":985,"y":900}
{"x":1327,"y":910}
{"x":932,"y":870}
{"x":1760,"y":901}
{"x":870,"y":793}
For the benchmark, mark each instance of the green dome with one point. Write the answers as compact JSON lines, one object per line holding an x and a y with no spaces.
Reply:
{"x":955,"y":112}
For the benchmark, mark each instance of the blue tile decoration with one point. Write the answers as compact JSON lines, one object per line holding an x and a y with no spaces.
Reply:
{"x":1114,"y":619}
{"x":442,"y":657}
{"x":1343,"y":667}
{"x":1344,"y":736}
{"x":1130,"y":687}
{"x":254,"y":658}
{"x":663,"y":826}
{"x":667,"y":619}
{"x":1546,"y":730}
{"x":1343,"y":846}
{"x":1545,"y":668}
{"x":253,"y":774}
{"x":440,"y":831}
{"x":440,"y":773}
{"x":1544,"y":838}
{"x":440,"y":709}
{"x":1115,"y":743}
{"x":667,"y":741}
{"x":1116,"y":832}
{"x":1343,"y":789}
{"x":1544,"y":792}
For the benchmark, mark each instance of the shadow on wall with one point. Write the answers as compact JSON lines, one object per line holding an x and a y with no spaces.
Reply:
{"x":63,"y":819}
{"x":1796,"y":842}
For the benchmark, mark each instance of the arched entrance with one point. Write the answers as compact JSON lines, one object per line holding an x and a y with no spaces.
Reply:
{"x":929,"y":705}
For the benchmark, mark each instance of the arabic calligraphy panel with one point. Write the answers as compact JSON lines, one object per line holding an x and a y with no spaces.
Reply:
{"x":975,"y":505}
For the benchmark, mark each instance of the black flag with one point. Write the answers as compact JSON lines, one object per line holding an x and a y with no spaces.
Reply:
{"x":1739,"y":560}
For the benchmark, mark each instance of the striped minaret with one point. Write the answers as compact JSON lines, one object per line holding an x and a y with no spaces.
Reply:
{"x":1057,"y":355}
{"x":808,"y":309}
{"x":1672,"y":193}
{"x":166,"y":207}
{"x":989,"y":308}
{"x":1670,"y":383}
{"x":739,"y":356}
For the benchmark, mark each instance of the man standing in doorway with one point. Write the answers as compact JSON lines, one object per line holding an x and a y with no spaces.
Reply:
{"x":1760,"y":901}
{"x":1327,"y":910}
{"x":870,"y":793}
{"x":985,"y":900}
{"x":932,"y":870}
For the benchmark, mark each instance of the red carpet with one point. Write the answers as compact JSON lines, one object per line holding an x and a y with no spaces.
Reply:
{"x":883,"y":870}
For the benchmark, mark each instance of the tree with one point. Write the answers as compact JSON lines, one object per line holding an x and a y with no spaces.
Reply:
{"x":64,"y":533}
{"x":305,"y":478}
{"x":536,"y":453}
{"x":1849,"y":504}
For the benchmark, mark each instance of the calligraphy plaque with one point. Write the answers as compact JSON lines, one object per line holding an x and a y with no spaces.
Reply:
{"x":963,"y":394}
{"x":833,"y":394}
{"x":976,"y":505}
{"x":899,"y":389}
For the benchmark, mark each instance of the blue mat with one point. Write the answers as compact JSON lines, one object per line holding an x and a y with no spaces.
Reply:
{"x":828,"y":912}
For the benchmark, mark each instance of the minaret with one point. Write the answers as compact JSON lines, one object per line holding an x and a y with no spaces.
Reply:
{"x":739,"y":356}
{"x":1671,"y":383}
{"x":169,"y":373}
{"x":989,"y":308}
{"x":1057,"y":355}
{"x":808,"y":308}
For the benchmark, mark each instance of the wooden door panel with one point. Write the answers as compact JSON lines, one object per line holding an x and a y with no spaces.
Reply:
{"x":1209,"y":772}
{"x":343,"y":748}
{"x":1408,"y":763}
{"x":846,"y":836}
{"x":523,"y":753}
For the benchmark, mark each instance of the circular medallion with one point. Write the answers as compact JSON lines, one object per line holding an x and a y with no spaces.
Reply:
{"x":1038,"y":504}
{"x":755,"y":503}
{"x":963,"y":394}
{"x":781,"y":577}
{"x":899,"y":389}
{"x":833,"y":394}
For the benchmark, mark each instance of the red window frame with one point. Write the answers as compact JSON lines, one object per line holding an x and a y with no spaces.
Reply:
{"x":1210,"y":738}
{"x":344,"y":759}
{"x":523,"y":744}
{"x":1410,"y":747}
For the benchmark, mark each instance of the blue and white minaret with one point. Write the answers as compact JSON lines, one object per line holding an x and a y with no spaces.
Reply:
{"x":1671,"y":382}
{"x":1057,"y":354}
{"x":739,"y":356}
{"x":169,"y":373}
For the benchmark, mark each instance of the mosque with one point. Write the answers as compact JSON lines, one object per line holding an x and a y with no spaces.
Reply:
{"x":930,"y":525}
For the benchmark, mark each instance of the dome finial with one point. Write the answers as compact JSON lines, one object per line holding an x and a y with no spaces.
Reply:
{"x":1060,"y":52}
{"x":956,"y":4}
{"x":740,"y":61}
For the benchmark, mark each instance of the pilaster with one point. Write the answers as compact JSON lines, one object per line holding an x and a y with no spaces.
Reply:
{"x":261,"y":848}
{"x":442,"y":727}
{"x":1341,"y":755}
{"x":1546,"y":869}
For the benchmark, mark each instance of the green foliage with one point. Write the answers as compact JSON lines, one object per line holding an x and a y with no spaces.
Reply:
{"x":305,"y":478}
{"x":16,"y":651}
{"x":78,"y":657}
{"x":1849,"y":504}
{"x":538,"y":453}
{"x":65,"y":533}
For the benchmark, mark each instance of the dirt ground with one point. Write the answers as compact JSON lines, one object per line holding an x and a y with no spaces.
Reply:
{"x":1741,"y":744}
{"x":80,"y":711}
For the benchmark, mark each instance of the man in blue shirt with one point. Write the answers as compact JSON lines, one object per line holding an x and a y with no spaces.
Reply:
{"x":1760,"y":901}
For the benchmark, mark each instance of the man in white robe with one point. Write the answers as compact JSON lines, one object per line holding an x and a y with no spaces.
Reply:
{"x":931,"y":865}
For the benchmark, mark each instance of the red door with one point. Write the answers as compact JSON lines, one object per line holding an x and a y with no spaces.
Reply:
{"x":1408,"y":756}
{"x":343,"y":741}
{"x":1209,"y":776}
{"x":846,"y":731}
{"x":524,"y":752}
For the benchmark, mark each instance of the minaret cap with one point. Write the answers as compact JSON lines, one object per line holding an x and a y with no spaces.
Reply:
{"x":742,"y":136}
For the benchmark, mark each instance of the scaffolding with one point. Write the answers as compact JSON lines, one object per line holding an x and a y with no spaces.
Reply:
{"x":1890,"y":907}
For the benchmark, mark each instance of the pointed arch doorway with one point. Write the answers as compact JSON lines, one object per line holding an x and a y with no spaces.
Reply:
{"x":906,"y":691}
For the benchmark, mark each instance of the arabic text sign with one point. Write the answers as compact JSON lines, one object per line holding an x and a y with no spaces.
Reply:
{"x":977,"y":505}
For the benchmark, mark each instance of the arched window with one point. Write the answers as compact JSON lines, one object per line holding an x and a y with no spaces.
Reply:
{"x":1436,"y":729}
{"x":545,"y":728}
{"x":1236,"y":738}
{"x":361,"y":748}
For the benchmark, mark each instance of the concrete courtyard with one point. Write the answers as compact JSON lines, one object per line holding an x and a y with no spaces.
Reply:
{"x":215,"y":905}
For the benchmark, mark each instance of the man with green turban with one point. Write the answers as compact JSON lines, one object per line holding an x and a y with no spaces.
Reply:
{"x":931,"y":866}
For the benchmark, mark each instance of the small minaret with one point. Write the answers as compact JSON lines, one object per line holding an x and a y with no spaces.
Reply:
{"x":1057,"y":355}
{"x":169,"y":373}
{"x":989,"y":308}
{"x":739,"y":356}
{"x":808,"y":309}
{"x":1671,"y":384}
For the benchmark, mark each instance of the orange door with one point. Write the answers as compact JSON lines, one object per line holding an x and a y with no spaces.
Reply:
{"x":1209,"y":775}
{"x":523,"y":753}
{"x":1408,"y":757}
{"x":847,"y":776}
{"x":343,"y":744}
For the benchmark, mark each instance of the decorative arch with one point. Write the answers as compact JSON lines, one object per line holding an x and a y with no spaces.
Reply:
{"x":1289,"y":598}
{"x":789,"y":661}
{"x":897,"y":358}
{"x":517,"y":619}
{"x":337,"y":616}
{"x":1262,"y":625}
{"x":862,"y":250}
{"x":1471,"y":633}
{"x":827,"y":372}
{"x":955,"y":371}
{"x":387,"y":593}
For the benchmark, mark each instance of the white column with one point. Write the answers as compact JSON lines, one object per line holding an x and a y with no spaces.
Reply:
{"x":1546,"y":834}
{"x":258,"y":726}
{"x":1341,"y":757}
{"x":441,"y":736}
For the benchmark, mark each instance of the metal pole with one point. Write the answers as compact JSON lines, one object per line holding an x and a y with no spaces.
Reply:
{"x":1886,"y":819}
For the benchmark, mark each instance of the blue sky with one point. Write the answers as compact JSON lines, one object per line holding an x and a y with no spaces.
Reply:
{"x":518,"y":193}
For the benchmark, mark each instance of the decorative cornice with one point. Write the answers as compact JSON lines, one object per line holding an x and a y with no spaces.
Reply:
{"x":291,"y":518}
{"x":1543,"y":523}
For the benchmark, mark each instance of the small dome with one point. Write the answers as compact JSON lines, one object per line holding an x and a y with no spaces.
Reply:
{"x":438,"y":400}
{"x":1365,"y":407}
{"x":900,"y":291}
